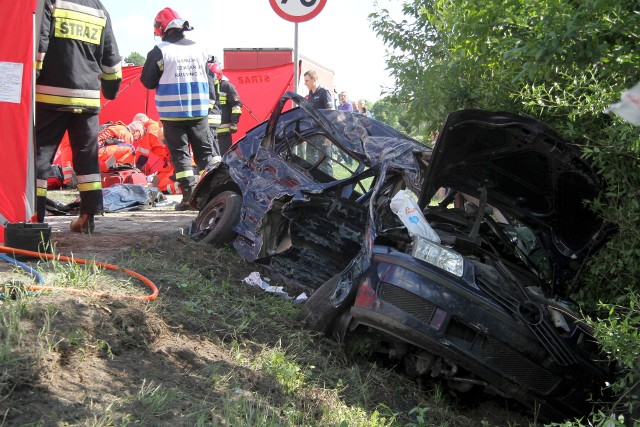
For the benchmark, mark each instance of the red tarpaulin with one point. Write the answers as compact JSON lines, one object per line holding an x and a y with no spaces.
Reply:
{"x":259,"y":90}
{"x":133,"y":98}
{"x":17,"y":192}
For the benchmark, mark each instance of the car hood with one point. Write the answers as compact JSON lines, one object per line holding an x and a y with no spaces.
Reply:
{"x":529,"y":171}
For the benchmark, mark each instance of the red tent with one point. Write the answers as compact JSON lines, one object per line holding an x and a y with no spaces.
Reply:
{"x":17,"y":192}
{"x":259,"y":90}
{"x":132,"y":99}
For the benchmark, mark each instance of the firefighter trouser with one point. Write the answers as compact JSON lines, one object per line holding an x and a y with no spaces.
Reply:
{"x":224,"y":142}
{"x":178,"y":135}
{"x":83,"y":138}
{"x":216,"y":142}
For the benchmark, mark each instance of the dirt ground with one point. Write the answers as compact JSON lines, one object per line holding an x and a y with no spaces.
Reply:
{"x":117,"y":231}
{"x":77,"y":385}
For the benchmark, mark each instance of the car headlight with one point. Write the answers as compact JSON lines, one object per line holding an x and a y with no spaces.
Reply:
{"x":438,"y":255}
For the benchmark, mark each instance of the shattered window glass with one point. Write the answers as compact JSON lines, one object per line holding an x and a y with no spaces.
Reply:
{"x":321,"y":158}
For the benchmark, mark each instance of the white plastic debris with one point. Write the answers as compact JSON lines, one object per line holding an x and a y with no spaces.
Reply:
{"x":558,"y":320}
{"x":254,"y":279}
{"x":405,"y":205}
{"x":301,"y":298}
{"x":629,"y":106}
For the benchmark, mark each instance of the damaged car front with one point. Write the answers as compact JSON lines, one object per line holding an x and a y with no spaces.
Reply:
{"x":468,"y":300}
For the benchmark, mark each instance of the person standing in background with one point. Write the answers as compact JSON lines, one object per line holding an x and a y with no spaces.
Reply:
{"x":72,"y":67}
{"x":362,"y":108}
{"x":177,"y":69}
{"x":229,"y":105}
{"x":345,"y":104}
{"x":319,"y":97}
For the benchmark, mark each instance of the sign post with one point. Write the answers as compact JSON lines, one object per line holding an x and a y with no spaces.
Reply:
{"x":297,"y":11}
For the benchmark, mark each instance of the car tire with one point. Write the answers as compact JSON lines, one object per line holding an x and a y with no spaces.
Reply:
{"x":318,"y":313}
{"x":216,"y":220}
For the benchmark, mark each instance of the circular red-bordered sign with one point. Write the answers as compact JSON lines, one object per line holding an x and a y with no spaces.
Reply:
{"x":297,"y":10}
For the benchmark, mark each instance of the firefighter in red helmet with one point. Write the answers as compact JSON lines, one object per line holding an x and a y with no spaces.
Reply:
{"x":229,"y":104}
{"x":178,"y":66}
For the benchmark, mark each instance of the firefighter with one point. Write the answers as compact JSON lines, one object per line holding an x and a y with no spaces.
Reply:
{"x":229,"y":104}
{"x":77,"y":56}
{"x":179,"y":66}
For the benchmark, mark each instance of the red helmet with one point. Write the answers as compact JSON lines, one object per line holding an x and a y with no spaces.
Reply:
{"x":215,"y":69}
{"x":166,"y":19}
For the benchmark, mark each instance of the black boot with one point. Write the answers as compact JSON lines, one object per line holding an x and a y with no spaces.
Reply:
{"x":184,"y":205}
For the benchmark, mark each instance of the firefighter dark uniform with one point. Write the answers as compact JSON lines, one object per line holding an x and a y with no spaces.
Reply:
{"x":77,"y":56}
{"x":229,"y":105}
{"x":176,"y":68}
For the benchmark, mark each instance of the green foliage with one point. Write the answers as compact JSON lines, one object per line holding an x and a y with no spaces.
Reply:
{"x":392,"y":111}
{"x":277,"y":363}
{"x":134,"y":58}
{"x":564,"y":62}
{"x":618,"y":335}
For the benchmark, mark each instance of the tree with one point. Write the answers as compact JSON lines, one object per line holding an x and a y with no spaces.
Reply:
{"x":134,"y":58}
{"x":562,"y":61}
{"x":391,"y":111}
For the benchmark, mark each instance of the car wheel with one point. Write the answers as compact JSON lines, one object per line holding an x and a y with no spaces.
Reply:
{"x":318,"y":313}
{"x":216,"y":220}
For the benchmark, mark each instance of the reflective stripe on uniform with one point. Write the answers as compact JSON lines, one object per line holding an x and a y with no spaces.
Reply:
{"x":88,"y":178}
{"x":112,"y":76}
{"x":89,"y":182}
{"x":71,"y":93}
{"x":111,"y":70}
{"x":39,"y":59}
{"x":174,"y":188}
{"x":62,"y":4}
{"x":66,"y":96}
{"x":90,"y":186}
{"x":41,"y":187}
{"x":67,"y":172}
{"x":60,"y":100}
{"x":184,"y":174}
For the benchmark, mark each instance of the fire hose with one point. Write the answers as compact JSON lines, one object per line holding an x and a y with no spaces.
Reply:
{"x":41,"y":286}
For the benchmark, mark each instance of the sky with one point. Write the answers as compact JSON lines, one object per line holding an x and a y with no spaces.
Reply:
{"x":339,"y":37}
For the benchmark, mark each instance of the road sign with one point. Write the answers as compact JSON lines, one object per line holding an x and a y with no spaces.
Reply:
{"x":297,"y":10}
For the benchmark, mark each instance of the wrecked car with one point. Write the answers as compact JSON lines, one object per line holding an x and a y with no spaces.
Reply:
{"x":464,"y":282}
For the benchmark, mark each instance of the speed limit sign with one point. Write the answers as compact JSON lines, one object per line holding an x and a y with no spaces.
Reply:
{"x":297,"y":10}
